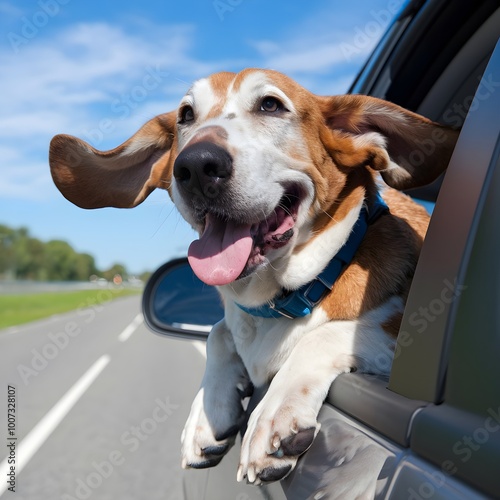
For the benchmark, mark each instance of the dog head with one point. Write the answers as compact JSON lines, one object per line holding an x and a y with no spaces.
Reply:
{"x":254,"y":162}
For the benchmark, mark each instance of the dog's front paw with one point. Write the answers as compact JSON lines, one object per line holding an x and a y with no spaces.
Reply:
{"x":277,"y":434}
{"x":207,"y":438}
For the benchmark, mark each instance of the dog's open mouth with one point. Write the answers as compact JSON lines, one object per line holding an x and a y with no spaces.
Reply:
{"x":228,"y":250}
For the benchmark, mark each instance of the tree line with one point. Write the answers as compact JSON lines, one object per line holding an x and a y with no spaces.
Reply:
{"x":27,"y":258}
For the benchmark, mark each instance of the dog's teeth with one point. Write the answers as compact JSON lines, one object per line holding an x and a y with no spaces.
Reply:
{"x":240,"y":476}
{"x":198,"y":451}
{"x":240,"y":387}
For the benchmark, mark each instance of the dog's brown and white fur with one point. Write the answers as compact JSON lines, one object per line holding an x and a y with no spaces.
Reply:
{"x":315,"y":161}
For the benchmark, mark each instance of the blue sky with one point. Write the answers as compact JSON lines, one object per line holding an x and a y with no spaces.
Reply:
{"x":75,"y":67}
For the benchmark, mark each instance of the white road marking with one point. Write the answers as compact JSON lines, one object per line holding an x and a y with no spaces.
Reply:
{"x":200,"y":346}
{"x":39,"y":434}
{"x":124,"y":336}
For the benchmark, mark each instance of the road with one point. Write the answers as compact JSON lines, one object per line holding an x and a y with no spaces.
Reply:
{"x":100,"y":403}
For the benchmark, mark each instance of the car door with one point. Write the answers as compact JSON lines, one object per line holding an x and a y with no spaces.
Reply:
{"x":433,"y":429}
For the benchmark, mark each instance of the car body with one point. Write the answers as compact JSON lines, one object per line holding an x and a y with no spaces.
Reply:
{"x":433,"y":428}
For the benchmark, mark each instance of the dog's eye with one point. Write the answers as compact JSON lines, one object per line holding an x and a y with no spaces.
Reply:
{"x":271,"y":105}
{"x":186,"y":114}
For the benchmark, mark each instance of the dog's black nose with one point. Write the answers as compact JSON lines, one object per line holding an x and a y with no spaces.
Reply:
{"x":203,"y":168}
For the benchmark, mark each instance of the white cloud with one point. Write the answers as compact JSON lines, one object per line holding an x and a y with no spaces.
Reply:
{"x":76,"y":79}
{"x":29,"y":126}
{"x":73,"y":81}
{"x":310,"y":54}
{"x":28,"y":181}
{"x":23,"y":177}
{"x":316,"y":48}
{"x":85,"y":63}
{"x":313,"y":58}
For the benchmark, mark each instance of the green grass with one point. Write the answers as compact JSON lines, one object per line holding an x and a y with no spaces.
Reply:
{"x":18,"y":309}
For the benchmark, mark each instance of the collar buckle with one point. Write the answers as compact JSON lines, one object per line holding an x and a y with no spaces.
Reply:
{"x":280,"y":311}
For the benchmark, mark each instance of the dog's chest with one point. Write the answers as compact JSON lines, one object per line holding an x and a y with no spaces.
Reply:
{"x":264,"y":344}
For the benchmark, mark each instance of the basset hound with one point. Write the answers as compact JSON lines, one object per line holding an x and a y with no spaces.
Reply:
{"x":312,"y":253}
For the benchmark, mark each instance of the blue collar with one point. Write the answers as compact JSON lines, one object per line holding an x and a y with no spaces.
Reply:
{"x":301,"y":302}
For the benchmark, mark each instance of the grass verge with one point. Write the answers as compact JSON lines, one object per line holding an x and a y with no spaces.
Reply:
{"x":18,"y":309}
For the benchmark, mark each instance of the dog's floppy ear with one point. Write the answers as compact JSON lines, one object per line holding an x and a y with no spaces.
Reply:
{"x":408,"y":149}
{"x":122,"y":177}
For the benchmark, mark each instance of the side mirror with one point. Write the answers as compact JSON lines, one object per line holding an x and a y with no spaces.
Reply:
{"x":177,"y":304}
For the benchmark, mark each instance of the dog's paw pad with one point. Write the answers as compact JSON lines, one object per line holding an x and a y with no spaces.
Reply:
{"x":207,"y":438}
{"x":208,"y":454}
{"x":217,"y":450}
{"x":204,"y":464}
{"x":270,"y":474}
{"x":274,"y":470}
{"x":279,"y":431}
{"x":296,"y":444}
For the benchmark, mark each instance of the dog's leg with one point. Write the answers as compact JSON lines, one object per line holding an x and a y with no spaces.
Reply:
{"x":284,"y":425}
{"x":216,"y":413}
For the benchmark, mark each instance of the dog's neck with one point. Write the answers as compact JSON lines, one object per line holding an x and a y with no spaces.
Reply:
{"x":303,"y":264}
{"x":301,"y":302}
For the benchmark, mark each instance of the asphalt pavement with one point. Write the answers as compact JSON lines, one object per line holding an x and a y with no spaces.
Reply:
{"x":92,"y":405}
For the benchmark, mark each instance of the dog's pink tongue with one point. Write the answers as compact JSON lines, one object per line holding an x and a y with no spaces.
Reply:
{"x":220,"y":255}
